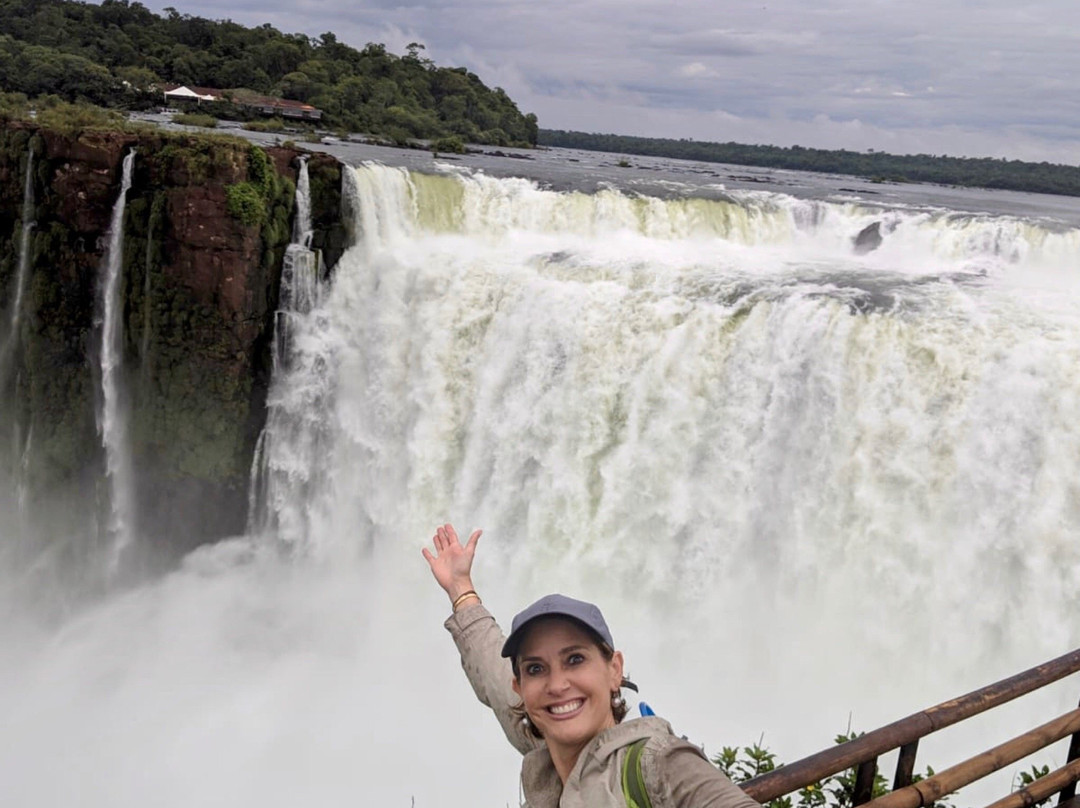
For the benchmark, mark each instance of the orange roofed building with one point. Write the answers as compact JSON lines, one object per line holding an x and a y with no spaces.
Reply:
{"x":267,"y":105}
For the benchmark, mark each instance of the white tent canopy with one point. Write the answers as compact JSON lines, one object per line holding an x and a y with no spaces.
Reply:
{"x":190,"y":95}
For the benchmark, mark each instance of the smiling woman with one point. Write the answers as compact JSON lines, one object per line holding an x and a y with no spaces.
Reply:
{"x":554,"y":684}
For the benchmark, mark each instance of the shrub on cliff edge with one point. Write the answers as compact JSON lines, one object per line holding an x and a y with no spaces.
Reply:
{"x":195,"y":119}
{"x":245,"y":202}
{"x":13,"y":106}
{"x":264,"y":191}
{"x":71,"y":119}
{"x":268,"y":125}
{"x":448,"y":145}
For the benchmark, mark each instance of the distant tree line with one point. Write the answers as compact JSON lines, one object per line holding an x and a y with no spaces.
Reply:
{"x":981,"y":172}
{"x":119,"y":53}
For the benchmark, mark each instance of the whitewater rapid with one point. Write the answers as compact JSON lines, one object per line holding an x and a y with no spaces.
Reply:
{"x":809,"y":490}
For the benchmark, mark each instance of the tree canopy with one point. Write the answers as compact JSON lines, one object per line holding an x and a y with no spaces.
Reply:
{"x":116,"y":53}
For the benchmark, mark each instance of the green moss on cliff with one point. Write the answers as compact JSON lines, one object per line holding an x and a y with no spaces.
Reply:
{"x":193,"y":414}
{"x":199,"y":395}
{"x":187,"y":158}
{"x":261,"y":171}
{"x":264,"y":199}
{"x":245,"y":203}
{"x":57,"y":383}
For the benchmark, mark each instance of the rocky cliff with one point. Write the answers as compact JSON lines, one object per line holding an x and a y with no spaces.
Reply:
{"x":206,"y":224}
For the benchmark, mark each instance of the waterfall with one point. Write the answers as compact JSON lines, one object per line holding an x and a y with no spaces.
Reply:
{"x":112,"y":415}
{"x":302,"y":220}
{"x":9,"y":347}
{"x":299,"y":293}
{"x":24,"y":243}
{"x":711,"y":417}
{"x":806,"y":487}
{"x":22,"y":489}
{"x":11,"y":341}
{"x":300,"y":272}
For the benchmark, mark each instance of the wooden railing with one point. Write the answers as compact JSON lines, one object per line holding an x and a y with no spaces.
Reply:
{"x":863,"y":752}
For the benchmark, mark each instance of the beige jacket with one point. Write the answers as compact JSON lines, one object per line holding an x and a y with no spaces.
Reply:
{"x":677,"y":774}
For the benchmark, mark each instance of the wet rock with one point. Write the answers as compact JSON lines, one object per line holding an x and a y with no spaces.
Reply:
{"x":199,"y":287}
{"x":869,"y":239}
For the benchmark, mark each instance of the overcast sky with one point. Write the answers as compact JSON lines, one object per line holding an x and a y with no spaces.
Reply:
{"x":961,"y":77}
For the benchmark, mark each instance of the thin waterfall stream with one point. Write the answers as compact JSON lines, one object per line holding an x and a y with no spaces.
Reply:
{"x":300,"y":292}
{"x":9,"y":345}
{"x":24,"y":244}
{"x":112,"y":414}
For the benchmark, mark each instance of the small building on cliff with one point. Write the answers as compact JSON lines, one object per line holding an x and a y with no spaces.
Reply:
{"x":263,"y":104}
{"x":282,"y":107}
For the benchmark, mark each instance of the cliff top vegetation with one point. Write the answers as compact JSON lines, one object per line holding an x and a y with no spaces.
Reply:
{"x":119,"y":54}
{"x":52,"y":113}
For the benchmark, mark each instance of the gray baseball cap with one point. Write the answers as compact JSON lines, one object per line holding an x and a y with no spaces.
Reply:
{"x":556,"y":606}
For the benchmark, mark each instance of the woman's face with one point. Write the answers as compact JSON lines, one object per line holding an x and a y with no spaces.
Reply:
{"x":565,"y":682}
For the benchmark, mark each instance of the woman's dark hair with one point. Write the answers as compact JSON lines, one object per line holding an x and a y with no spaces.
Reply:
{"x":606,"y":651}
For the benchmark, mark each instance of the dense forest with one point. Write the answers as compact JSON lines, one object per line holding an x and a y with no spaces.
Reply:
{"x":118,"y":53}
{"x":985,"y":172}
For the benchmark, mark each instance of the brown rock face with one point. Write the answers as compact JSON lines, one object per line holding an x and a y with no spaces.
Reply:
{"x":199,"y":290}
{"x":86,"y":175}
{"x":214,"y":255}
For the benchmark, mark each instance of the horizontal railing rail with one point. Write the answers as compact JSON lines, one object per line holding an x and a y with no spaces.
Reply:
{"x":863,"y":752}
{"x":930,"y":790}
{"x":1046,"y":786}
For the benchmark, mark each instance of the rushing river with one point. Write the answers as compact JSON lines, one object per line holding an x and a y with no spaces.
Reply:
{"x":811,"y":489}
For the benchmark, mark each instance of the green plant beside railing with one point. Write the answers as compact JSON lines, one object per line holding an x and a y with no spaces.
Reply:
{"x":835,"y":791}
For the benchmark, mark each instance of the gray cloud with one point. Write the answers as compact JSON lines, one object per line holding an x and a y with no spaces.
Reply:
{"x":938,"y":76}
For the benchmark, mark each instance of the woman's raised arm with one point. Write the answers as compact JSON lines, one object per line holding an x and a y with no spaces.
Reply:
{"x":476,"y":634}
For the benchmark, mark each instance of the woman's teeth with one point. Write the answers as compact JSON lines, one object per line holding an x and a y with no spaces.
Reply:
{"x":562,"y":709}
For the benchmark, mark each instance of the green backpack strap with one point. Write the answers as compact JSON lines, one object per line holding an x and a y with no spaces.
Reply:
{"x":633,"y":779}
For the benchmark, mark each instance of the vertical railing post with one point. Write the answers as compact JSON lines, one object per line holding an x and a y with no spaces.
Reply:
{"x":905,"y":766}
{"x":864,"y":782}
{"x":1069,"y":791}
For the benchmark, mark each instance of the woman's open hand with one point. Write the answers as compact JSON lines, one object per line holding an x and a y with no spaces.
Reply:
{"x":451,"y":563}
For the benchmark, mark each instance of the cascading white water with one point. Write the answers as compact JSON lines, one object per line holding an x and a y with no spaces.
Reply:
{"x":11,"y":339}
{"x":302,"y":219}
{"x":300,"y":281}
{"x":802,"y":485}
{"x":112,"y":418}
{"x":300,"y":292}
{"x":706,"y":409}
{"x":9,"y":344}
{"x":24,"y":243}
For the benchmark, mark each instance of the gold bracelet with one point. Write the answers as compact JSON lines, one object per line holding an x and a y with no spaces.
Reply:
{"x":463,"y":597}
